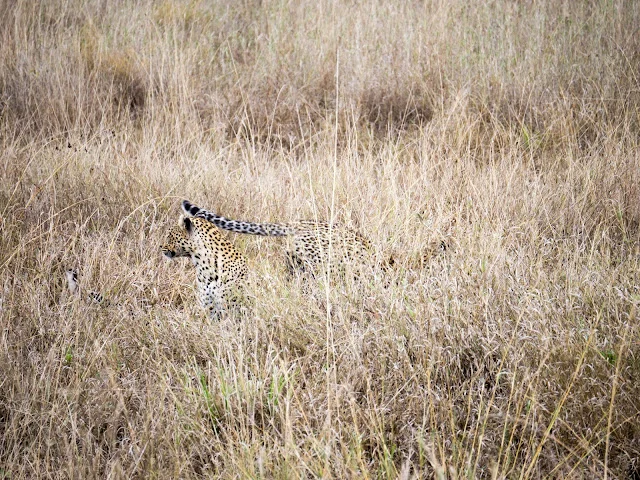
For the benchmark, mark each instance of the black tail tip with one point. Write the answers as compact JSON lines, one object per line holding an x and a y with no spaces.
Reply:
{"x":189,"y":208}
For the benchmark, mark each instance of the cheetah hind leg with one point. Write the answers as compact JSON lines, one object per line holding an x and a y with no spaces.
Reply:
{"x":295,"y":264}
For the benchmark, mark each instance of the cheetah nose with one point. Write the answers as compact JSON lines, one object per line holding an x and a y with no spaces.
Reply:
{"x":169,"y":254}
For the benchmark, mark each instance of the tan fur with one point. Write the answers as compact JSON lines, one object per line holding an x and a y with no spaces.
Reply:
{"x":317,"y":245}
{"x":220,"y":268}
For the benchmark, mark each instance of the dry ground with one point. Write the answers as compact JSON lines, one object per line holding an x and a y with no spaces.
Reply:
{"x":510,"y":129}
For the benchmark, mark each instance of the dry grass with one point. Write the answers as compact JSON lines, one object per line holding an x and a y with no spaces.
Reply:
{"x":511,"y":129}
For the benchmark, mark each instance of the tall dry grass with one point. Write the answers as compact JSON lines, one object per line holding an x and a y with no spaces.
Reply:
{"x":510,"y":129}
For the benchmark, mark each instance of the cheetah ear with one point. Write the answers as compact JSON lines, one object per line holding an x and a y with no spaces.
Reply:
{"x":188,"y":224}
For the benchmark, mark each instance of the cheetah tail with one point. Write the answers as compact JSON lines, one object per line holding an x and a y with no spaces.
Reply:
{"x":189,"y":208}
{"x":238,"y":226}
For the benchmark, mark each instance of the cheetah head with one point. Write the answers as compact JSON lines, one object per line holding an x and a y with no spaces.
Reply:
{"x":178,"y":242}
{"x":72,"y":280}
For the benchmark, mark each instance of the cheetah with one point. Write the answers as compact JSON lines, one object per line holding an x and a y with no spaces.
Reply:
{"x":220,"y":268}
{"x":316,"y":244}
{"x":73,"y":286}
{"x":422,"y":258}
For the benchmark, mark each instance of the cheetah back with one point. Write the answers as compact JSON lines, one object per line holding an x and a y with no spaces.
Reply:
{"x":317,"y":244}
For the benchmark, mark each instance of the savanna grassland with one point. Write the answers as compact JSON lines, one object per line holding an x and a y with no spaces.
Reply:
{"x":508,"y":130}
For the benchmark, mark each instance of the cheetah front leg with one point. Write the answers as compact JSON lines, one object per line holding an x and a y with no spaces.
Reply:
{"x":212,"y":299}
